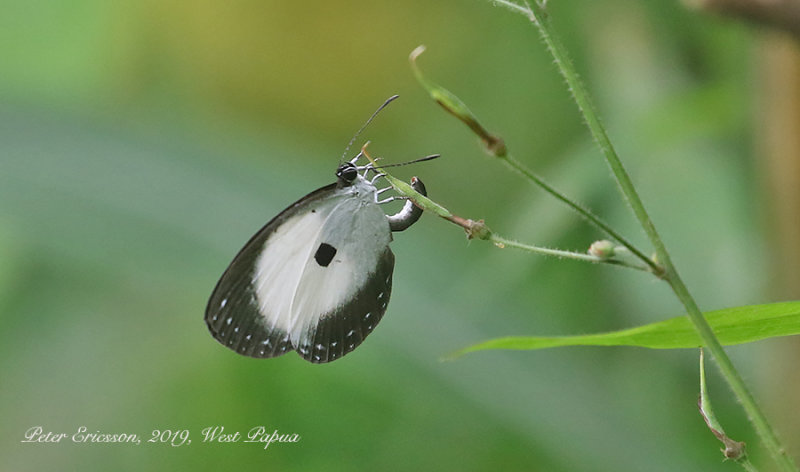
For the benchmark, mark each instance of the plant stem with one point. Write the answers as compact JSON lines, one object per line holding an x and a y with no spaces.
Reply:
{"x":517,"y":166}
{"x":537,"y":14}
{"x":479,"y":230}
{"x":503,"y":242}
{"x":729,"y":372}
{"x":495,"y":146}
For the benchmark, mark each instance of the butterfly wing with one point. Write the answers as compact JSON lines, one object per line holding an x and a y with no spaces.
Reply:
{"x":341,"y":330}
{"x":232,"y":314}
{"x":317,"y":278}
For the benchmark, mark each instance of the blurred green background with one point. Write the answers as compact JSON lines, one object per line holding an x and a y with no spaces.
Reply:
{"x":142,"y":143}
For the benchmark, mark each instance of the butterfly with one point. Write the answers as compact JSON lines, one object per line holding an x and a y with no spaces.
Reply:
{"x":317,"y":278}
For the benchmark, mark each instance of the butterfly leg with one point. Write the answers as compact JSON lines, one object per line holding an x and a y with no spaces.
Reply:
{"x":355,"y":159}
{"x":390,"y":199}
{"x":366,"y":168}
{"x":377,"y":176}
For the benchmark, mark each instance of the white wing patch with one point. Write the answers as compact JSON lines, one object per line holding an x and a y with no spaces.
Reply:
{"x":293,"y":290}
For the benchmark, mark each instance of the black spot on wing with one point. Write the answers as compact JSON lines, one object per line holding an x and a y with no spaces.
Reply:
{"x":341,"y":331}
{"x":324,"y":254}
{"x":232,"y":314}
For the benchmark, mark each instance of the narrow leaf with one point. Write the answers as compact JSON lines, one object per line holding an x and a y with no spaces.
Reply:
{"x":737,"y":325}
{"x":453,"y":105}
{"x":733,"y":449}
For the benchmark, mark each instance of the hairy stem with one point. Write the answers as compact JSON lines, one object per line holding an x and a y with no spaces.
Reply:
{"x":495,"y":146}
{"x":503,"y":242}
{"x":527,"y":173}
{"x":537,"y":15}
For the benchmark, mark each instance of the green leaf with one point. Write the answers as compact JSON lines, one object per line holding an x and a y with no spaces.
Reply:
{"x":453,"y":105}
{"x":733,"y":449}
{"x":737,"y":325}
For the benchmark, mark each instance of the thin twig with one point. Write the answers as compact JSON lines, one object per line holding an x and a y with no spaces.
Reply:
{"x":496,"y":147}
{"x":477,"y":229}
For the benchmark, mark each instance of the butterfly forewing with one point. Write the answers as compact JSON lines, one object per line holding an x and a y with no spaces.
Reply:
{"x":232,"y":314}
{"x":316,"y":278}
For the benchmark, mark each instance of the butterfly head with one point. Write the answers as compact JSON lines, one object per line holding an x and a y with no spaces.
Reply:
{"x":347,"y":173}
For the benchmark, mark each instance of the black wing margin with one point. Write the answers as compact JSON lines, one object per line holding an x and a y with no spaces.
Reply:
{"x":232,"y":313}
{"x":342,"y":330}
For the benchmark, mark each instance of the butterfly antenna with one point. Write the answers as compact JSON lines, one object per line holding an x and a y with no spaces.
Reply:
{"x":358,"y":133}
{"x":421,"y":159}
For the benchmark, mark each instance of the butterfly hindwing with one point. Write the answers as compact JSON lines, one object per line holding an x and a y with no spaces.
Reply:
{"x":342,"y":330}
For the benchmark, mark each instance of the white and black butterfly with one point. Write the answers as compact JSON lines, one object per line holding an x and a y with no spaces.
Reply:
{"x":317,"y":278}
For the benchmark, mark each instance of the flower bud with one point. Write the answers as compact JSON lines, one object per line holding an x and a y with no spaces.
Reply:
{"x":603,"y":249}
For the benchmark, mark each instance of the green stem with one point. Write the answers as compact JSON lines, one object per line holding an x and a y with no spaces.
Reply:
{"x":479,"y":230}
{"x":503,"y":242}
{"x":496,"y":147}
{"x":747,"y":465}
{"x":729,"y":372}
{"x":536,"y":13}
{"x":517,"y":166}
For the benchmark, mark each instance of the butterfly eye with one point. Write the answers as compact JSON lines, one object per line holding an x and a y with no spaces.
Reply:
{"x":347,"y":172}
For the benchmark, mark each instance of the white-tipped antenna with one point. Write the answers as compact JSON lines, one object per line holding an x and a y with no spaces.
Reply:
{"x":358,"y":133}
